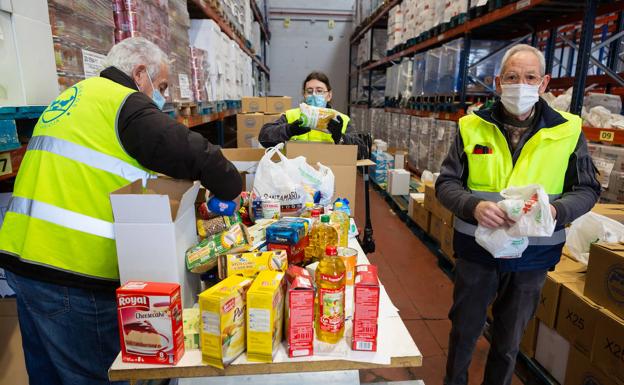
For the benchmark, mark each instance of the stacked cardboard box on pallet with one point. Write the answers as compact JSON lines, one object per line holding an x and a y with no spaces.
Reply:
{"x":255,"y":113}
{"x":441,"y":222}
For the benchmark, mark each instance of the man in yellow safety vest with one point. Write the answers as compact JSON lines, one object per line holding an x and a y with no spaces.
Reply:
{"x":57,"y":241}
{"x":317,"y":92}
{"x":519,"y":141}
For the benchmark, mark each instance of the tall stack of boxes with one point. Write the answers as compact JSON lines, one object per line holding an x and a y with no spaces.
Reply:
{"x":255,"y":113}
{"x":180,"y":77}
{"x":578,"y":332}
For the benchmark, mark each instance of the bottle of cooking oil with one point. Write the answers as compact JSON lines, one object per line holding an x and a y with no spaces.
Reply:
{"x":330,"y":297}
{"x":327,"y":236}
{"x":341,"y":219}
{"x":312,"y":250}
{"x":307,"y":212}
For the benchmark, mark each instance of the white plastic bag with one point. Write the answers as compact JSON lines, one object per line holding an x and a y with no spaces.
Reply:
{"x":313,"y":181}
{"x":280,"y":181}
{"x":529,"y":207}
{"x":500,"y":244}
{"x":591,"y":228}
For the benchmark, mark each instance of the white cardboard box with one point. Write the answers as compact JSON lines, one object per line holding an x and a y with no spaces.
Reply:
{"x":552,"y":351}
{"x":153,"y":230}
{"x":398,"y":182}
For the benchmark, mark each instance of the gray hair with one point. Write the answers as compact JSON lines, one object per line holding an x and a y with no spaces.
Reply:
{"x":525,"y":48}
{"x":134,"y":51}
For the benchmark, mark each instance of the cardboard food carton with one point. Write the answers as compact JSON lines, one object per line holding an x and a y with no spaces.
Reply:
{"x":577,"y":316}
{"x":581,"y":371}
{"x":552,"y":351}
{"x":154,"y":226}
{"x":278,"y":104}
{"x":299,"y":310}
{"x":150,"y":322}
{"x":265,"y":316}
{"x":608,"y":347}
{"x":366,"y":308}
{"x":549,"y":297}
{"x":605,"y":276}
{"x":253,"y":104}
{"x":248,"y":128}
{"x":250,"y":264}
{"x":222,"y":322}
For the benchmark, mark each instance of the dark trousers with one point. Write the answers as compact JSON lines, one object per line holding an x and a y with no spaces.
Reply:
{"x":515,"y":296}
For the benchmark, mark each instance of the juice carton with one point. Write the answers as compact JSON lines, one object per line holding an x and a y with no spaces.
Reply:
{"x":250,"y":264}
{"x":150,"y":322}
{"x":366,"y":308}
{"x":299,"y":312}
{"x":222,"y":321}
{"x":265,"y":316}
{"x":295,"y":253}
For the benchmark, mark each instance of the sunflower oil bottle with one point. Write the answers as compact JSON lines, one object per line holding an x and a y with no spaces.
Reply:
{"x":330,"y":298}
{"x":341,"y":219}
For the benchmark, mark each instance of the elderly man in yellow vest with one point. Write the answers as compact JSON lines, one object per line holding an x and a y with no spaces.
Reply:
{"x":317,"y":92}
{"x":519,"y":141}
{"x":57,"y":241}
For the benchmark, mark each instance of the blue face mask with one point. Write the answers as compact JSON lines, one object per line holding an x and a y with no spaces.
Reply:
{"x":316,"y":101}
{"x":157,"y":97}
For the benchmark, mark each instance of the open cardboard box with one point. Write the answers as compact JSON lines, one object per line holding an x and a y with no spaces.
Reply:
{"x":341,"y":159}
{"x":154,"y":226}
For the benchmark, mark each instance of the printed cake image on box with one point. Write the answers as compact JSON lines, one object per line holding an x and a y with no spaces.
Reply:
{"x":150,"y":322}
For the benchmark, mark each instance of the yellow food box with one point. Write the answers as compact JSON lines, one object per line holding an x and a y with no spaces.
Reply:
{"x":250,"y":264}
{"x":265,"y":315}
{"x":222,"y":309}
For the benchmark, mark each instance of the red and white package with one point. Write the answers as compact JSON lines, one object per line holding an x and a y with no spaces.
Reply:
{"x":150,"y":322}
{"x":299,"y":312}
{"x":366,"y":308}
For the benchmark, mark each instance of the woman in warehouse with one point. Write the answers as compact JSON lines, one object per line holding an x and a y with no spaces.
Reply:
{"x":317,"y":92}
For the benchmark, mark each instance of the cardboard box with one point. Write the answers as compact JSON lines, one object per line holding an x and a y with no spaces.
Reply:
{"x":433,"y":205}
{"x":270,"y":118}
{"x":222,"y":321}
{"x":398,"y":182}
{"x":582,"y":372}
{"x":608,"y":347}
{"x":610,"y":210}
{"x":278,"y":104}
{"x":12,"y":364}
{"x":265,"y":316}
{"x":577,"y":315}
{"x":341,"y":159}
{"x":299,"y":310}
{"x":248,"y":128}
{"x":552,"y":351}
{"x":366,"y":309}
{"x":419,"y":214}
{"x":253,"y":104}
{"x":529,"y":338}
{"x":150,"y":322}
{"x":446,"y":240}
{"x":605,"y":276}
{"x":153,"y":229}
{"x":549,"y":297}
{"x":435,"y":228}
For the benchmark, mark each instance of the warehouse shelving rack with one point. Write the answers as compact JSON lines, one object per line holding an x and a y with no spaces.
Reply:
{"x":538,"y":22}
{"x":219,"y":115}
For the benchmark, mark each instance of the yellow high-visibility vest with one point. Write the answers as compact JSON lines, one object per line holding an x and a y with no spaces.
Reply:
{"x":60,"y":215}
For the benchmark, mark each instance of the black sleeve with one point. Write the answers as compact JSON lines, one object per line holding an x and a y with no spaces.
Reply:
{"x":581,"y":189}
{"x":163,"y":145}
{"x":450,"y":186}
{"x":353,"y":138}
{"x":274,"y":133}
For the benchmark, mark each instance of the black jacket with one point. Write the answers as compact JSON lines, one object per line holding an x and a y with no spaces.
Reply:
{"x":580,"y":191}
{"x":160,"y":144}
{"x":277,"y":132}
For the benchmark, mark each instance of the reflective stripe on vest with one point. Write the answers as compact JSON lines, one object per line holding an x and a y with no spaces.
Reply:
{"x":61,"y":217}
{"x":314,"y":135}
{"x":557,"y":238}
{"x":88,"y":156}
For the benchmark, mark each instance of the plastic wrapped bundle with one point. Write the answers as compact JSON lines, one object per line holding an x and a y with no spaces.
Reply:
{"x":180,"y":89}
{"x":404,"y":82}
{"x":83,"y":33}
{"x":484,"y":73}
{"x":199,"y":74}
{"x":404,"y":132}
{"x":426,"y":128}
{"x":448,"y":71}
{"x":414,"y":136}
{"x":418,"y":78}
{"x":144,"y":18}
{"x":431,"y":74}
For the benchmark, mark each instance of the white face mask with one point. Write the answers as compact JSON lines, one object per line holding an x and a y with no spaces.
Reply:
{"x":518,"y":99}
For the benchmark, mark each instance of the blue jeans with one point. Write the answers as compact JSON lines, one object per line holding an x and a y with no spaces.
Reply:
{"x":69,"y":335}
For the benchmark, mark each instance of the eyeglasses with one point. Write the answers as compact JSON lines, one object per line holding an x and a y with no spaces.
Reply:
{"x":318,"y":91}
{"x":514,"y":78}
